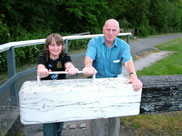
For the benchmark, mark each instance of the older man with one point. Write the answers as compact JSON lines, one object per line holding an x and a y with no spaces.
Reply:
{"x":104,"y":58}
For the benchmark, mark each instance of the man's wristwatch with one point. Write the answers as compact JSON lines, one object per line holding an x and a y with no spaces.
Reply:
{"x":132,"y":73}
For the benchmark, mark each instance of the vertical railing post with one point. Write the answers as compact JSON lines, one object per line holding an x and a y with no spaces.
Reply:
{"x":66,"y":50}
{"x":128,"y":38}
{"x":66,"y":43}
{"x":11,"y":72}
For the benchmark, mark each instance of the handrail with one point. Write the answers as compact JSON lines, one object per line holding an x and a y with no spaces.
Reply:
{"x":7,"y":46}
{"x":13,"y":76}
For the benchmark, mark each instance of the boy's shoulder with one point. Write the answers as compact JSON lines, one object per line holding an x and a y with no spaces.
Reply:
{"x":43,"y":55}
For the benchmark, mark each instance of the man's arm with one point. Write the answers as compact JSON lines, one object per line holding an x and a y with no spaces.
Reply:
{"x":130,"y":66}
{"x":137,"y":84}
{"x":88,"y":61}
{"x":88,"y":69}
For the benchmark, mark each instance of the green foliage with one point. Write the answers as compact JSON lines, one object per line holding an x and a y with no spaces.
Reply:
{"x":24,"y":54}
{"x":28,"y":54}
{"x":78,"y":44}
{"x":3,"y":62}
{"x":158,"y":14}
{"x":22,"y":20}
{"x":132,"y":14}
{"x":71,"y":16}
{"x":82,"y":16}
{"x":144,"y":29}
{"x":4,"y":32}
{"x":175,"y":17}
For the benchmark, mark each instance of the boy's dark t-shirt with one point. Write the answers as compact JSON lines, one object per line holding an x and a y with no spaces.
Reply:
{"x":54,"y":65}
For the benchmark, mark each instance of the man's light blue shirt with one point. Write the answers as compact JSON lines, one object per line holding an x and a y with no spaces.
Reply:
{"x":108,"y":61}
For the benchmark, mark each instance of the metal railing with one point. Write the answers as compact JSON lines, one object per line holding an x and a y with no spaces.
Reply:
{"x":11,"y":64}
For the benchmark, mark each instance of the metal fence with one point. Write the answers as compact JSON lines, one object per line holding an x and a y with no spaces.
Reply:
{"x":11,"y":64}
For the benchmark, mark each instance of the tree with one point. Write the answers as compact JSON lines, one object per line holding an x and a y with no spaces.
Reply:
{"x":4,"y":32}
{"x":132,"y":14}
{"x":159,"y":15}
{"x":82,"y":15}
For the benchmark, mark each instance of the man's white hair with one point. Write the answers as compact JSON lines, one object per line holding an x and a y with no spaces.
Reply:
{"x":113,"y":20}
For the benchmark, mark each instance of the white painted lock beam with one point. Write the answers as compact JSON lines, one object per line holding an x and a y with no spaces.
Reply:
{"x":77,"y":99}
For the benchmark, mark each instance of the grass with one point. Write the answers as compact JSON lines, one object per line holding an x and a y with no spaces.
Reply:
{"x":163,"y":124}
{"x":1,"y":131}
{"x":4,"y":75}
{"x":171,"y":65}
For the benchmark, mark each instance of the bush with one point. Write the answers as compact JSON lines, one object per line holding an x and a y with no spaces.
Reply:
{"x":4,"y":32}
{"x":77,"y":44}
{"x":30,"y":54}
{"x":144,"y":30}
{"x":24,"y":54}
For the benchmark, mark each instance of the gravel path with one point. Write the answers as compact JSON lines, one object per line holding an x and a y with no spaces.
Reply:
{"x":140,"y":46}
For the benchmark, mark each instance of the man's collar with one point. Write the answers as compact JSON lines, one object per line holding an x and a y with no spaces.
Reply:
{"x":102,"y":40}
{"x":104,"y":43}
{"x":115,"y":42}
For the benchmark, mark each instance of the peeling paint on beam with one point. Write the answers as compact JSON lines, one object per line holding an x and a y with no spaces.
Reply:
{"x":77,"y":99}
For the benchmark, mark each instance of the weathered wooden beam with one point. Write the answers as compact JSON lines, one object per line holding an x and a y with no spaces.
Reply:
{"x":77,"y":99}
{"x":161,"y":94}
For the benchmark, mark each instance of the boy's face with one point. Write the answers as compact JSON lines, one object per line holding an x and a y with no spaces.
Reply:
{"x":54,"y":49}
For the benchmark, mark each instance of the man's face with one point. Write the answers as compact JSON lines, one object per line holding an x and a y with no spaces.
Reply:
{"x":111,"y":30}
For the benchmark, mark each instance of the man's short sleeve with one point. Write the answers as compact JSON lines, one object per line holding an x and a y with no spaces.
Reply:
{"x":91,"y":49}
{"x":126,"y":53}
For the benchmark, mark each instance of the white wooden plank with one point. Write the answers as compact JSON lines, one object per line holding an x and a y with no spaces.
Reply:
{"x":77,"y":99}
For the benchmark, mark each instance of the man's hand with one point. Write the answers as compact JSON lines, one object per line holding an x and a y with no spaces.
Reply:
{"x":89,"y":70}
{"x":137,"y":84}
